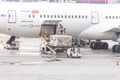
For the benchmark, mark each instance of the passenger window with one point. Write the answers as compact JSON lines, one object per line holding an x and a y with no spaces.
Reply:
{"x":58,"y":16}
{"x":61,"y":16}
{"x":72,"y":16}
{"x":65,"y":16}
{"x":54,"y":16}
{"x":82,"y":17}
{"x":86,"y":16}
{"x":33,"y":16}
{"x":44,"y":16}
{"x":106,"y":17}
{"x":109,"y":17}
{"x":29,"y":16}
{"x":40,"y":16}
{"x":51,"y":16}
{"x":47,"y":16}
{"x":113,"y":17}
{"x":75,"y":16}
{"x":68,"y":16}
{"x":116,"y":17}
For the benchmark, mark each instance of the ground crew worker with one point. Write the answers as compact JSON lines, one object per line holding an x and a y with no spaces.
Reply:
{"x":62,"y":30}
{"x":43,"y":33}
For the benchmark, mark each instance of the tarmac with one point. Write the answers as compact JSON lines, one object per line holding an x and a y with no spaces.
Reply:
{"x":27,"y":64}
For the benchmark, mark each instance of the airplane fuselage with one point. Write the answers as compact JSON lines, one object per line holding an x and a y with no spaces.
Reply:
{"x":26,"y":19}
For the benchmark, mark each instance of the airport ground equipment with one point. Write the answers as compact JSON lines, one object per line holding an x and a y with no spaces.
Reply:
{"x":47,"y":52}
{"x":57,"y":44}
{"x":15,"y":45}
{"x":81,"y":42}
{"x":12,"y":44}
{"x":11,"y":39}
{"x":74,"y":52}
{"x":116,"y":47}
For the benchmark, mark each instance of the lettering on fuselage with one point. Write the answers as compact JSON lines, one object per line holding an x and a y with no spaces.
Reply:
{"x":27,"y":21}
{"x":31,"y":25}
{"x":2,"y":15}
{"x":26,"y":11}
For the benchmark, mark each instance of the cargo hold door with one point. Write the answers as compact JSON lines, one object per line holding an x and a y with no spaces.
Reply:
{"x":11,"y":16}
{"x":50,"y":26}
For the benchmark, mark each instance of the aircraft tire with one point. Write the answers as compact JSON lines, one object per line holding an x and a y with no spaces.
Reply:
{"x":91,"y":45}
{"x":71,"y":56}
{"x":68,"y":56}
{"x":101,"y":45}
{"x":113,"y":48}
{"x":104,"y":45}
{"x":17,"y":48}
{"x":96,"y":45}
{"x":117,"y":49}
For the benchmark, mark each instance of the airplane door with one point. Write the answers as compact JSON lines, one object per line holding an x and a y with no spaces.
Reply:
{"x":94,"y":18}
{"x":11,"y":16}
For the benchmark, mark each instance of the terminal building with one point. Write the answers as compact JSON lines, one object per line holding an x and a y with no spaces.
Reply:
{"x":70,"y":1}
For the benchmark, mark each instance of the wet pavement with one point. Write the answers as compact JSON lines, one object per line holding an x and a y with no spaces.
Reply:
{"x":27,"y":64}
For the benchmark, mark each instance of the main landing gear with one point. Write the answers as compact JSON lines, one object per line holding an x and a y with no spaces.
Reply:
{"x":98,"y":45}
{"x":116,"y":48}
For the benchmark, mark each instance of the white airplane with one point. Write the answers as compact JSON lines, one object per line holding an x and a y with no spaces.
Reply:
{"x":89,"y":21}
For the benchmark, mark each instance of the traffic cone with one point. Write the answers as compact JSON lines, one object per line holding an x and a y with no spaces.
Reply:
{"x":117,"y":62}
{"x":1,"y":41}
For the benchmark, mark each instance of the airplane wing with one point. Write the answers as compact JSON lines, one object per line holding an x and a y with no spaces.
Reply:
{"x":114,"y":30}
{"x":112,"y":27}
{"x":106,"y":27}
{"x":105,"y":31}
